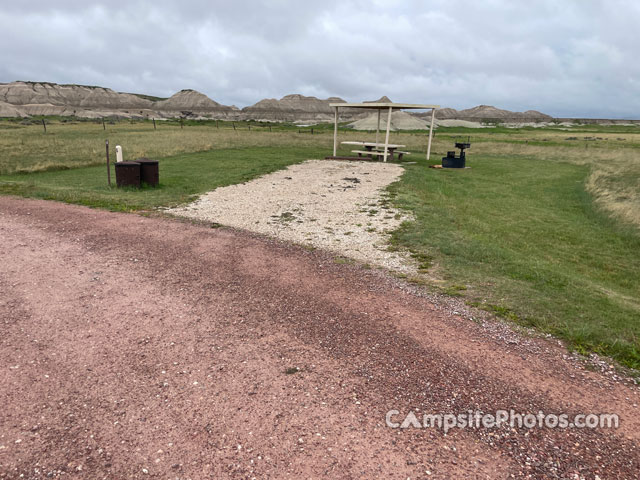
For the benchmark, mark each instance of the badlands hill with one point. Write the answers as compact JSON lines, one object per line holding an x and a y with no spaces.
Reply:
{"x":383,"y":99}
{"x":8,"y":110}
{"x":42,"y":98}
{"x":190,"y":100}
{"x":487,"y":112}
{"x":23,"y":99}
{"x":298,"y":108}
{"x":36,"y":93}
{"x":292,"y":108}
{"x":399,"y":121}
{"x":295,"y":103}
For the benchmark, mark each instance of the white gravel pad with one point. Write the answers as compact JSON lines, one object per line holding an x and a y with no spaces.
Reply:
{"x":334,"y":205}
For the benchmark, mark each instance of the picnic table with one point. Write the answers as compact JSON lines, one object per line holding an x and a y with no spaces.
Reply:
{"x":377,"y":149}
{"x":385,"y":149}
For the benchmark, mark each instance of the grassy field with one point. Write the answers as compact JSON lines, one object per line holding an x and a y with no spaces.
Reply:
{"x":182,"y":176}
{"x":520,"y":237}
{"x":68,"y":162}
{"x":26,"y":149}
{"x":544,"y":229}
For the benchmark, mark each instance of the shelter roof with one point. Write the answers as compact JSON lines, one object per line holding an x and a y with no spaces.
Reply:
{"x":385,"y":105}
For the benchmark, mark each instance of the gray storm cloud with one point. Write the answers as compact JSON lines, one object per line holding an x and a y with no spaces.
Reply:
{"x":570,"y":58}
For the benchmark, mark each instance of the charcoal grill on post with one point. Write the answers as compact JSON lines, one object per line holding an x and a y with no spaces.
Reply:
{"x":451,"y":161}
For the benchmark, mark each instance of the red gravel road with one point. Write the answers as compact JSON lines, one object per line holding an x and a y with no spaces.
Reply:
{"x":137,"y":347}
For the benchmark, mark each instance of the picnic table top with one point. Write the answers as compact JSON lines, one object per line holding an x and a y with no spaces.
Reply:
{"x":374,"y":144}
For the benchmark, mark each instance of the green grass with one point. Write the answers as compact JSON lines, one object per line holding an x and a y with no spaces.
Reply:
{"x":181,"y":178}
{"x":25,"y":148}
{"x":525,"y":241}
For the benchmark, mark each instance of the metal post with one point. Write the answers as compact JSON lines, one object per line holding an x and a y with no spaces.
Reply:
{"x":386,"y":141}
{"x":433,"y":116}
{"x":108,"y":167}
{"x":378,"y":128}
{"x":335,"y":132}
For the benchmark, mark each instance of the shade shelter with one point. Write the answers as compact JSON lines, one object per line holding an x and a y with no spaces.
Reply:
{"x":382,"y":149}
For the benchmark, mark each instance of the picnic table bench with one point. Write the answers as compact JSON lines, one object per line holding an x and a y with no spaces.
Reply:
{"x":377,"y":149}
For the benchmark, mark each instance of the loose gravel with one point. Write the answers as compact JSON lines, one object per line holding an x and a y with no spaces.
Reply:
{"x":334,"y":205}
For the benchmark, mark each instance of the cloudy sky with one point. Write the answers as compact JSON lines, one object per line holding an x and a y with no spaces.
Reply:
{"x":563,"y":57}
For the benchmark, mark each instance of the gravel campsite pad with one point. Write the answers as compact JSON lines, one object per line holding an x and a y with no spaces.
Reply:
{"x":336,"y":205}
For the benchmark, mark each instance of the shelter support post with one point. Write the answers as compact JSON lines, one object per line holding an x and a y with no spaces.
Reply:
{"x":433,"y":117}
{"x":335,"y":132}
{"x":386,"y":140}
{"x":378,"y":128}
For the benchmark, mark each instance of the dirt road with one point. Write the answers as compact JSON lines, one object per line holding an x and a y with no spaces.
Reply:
{"x":138,"y":347}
